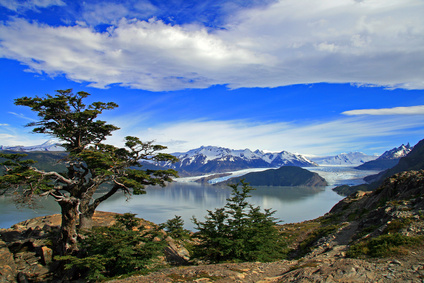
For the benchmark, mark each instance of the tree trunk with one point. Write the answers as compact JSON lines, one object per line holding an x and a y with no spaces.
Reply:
{"x":68,"y":231}
{"x":86,"y":218}
{"x":88,"y":208}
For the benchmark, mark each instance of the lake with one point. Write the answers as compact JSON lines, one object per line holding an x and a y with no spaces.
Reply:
{"x":188,"y":199}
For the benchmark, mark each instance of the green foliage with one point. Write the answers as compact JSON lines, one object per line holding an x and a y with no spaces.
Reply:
{"x":238,"y":231}
{"x":175,"y":228}
{"x":89,"y":164}
{"x":66,"y":116}
{"x":117,"y":250}
{"x":384,"y":246}
{"x":396,"y":225}
{"x":19,"y":174}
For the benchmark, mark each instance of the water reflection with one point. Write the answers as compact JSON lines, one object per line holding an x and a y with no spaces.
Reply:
{"x":293,"y":204}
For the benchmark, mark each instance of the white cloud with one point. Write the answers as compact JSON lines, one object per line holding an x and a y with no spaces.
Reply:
{"x":371,"y":42}
{"x":17,"y":5}
{"x":319,"y":138}
{"x":146,"y":55}
{"x":412,"y":110}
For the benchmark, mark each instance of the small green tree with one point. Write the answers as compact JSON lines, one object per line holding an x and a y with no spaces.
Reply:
{"x":123,"y":248}
{"x":238,"y":231}
{"x":175,"y":228}
{"x":91,"y":164}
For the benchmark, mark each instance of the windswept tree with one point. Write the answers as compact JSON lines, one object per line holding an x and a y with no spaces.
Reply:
{"x":92,"y":166}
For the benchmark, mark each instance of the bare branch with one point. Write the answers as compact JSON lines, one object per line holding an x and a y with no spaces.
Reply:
{"x":54,"y":174}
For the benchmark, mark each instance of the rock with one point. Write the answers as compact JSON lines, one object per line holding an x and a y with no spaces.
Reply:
{"x":22,"y":278}
{"x":46,"y":255}
{"x":176,"y":253}
{"x":7,"y":266}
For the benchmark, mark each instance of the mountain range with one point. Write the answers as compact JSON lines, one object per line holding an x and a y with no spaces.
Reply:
{"x":50,"y":145}
{"x":211,"y":159}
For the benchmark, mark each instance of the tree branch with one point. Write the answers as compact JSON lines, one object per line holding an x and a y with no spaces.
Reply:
{"x":54,"y":174}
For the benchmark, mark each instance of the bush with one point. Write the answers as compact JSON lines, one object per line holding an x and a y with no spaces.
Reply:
{"x":238,"y":231}
{"x":384,"y":246}
{"x":116,"y":250}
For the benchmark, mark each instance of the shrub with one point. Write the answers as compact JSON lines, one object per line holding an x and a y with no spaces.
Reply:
{"x":384,"y":246}
{"x":238,"y":231}
{"x":116,"y":250}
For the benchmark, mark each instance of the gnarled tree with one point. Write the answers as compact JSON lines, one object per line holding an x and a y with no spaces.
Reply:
{"x":91,"y":165}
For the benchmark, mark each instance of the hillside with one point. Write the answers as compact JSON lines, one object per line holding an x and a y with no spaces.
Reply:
{"x":46,"y":160}
{"x":283,"y":176}
{"x":387,"y":160}
{"x":414,"y":160}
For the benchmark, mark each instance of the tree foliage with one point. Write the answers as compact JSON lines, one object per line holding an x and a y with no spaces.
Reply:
{"x":175,"y":228}
{"x":123,"y":248}
{"x":238,"y":231}
{"x":91,"y":164}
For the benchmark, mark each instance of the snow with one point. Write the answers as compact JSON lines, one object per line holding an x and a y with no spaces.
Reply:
{"x":210,"y":153}
{"x":50,"y":145}
{"x":346,"y":159}
{"x":335,"y":175}
{"x":396,"y":153}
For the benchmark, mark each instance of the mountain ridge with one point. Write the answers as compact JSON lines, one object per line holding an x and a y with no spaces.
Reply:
{"x":212,"y":159}
{"x":387,"y":160}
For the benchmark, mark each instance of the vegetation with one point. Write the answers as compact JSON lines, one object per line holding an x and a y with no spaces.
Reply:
{"x":175,"y":228}
{"x":90,"y":164}
{"x":384,"y":246}
{"x":238,"y":231}
{"x":120,"y":249}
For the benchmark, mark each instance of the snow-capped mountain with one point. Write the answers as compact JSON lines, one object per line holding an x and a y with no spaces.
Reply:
{"x":50,"y":145}
{"x":346,"y":159}
{"x":397,"y":152}
{"x":388,"y":159}
{"x":211,"y":159}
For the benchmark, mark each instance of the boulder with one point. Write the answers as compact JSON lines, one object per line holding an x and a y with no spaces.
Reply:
{"x":7,"y":266}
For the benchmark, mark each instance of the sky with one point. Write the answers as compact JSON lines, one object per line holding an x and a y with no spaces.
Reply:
{"x":309,"y":77}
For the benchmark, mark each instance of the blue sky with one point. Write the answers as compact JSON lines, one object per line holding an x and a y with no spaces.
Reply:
{"x":311,"y":77}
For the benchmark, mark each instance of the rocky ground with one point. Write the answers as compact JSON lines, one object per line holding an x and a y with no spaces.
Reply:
{"x":327,"y":263}
{"x":318,"y":249}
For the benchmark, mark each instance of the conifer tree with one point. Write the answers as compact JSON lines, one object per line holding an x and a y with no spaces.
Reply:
{"x":238,"y":231}
{"x":90,"y":165}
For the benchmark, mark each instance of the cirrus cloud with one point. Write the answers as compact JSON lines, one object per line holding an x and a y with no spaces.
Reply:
{"x":412,"y":110}
{"x":16,"y":5}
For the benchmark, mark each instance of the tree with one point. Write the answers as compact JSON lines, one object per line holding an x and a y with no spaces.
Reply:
{"x":175,"y":228}
{"x":92,"y":166}
{"x":123,"y":248}
{"x":238,"y":231}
